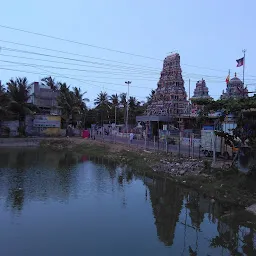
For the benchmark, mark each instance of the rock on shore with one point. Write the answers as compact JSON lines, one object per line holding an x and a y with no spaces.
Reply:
{"x":185,"y":167}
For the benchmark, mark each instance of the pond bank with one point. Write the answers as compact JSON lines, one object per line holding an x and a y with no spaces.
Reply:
{"x":20,"y":142}
{"x":222,"y":183}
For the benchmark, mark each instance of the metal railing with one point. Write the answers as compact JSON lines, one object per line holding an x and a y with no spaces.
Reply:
{"x":183,"y":147}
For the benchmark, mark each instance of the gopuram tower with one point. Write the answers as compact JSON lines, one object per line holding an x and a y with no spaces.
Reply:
{"x":170,"y":98}
{"x":201,"y":92}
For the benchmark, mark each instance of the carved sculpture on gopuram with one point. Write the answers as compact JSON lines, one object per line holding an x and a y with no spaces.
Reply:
{"x":201,"y":92}
{"x":235,"y":89}
{"x":170,"y":97}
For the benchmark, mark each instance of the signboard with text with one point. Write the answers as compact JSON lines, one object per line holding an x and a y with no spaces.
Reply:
{"x":47,"y":121}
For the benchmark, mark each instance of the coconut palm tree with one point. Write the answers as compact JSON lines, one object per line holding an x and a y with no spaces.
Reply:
{"x":114,"y":99}
{"x":151,"y":96}
{"x":81,"y":103}
{"x":102,"y":100}
{"x":4,"y":102}
{"x":123,"y":101}
{"x":18,"y":91}
{"x":134,"y":106}
{"x":72,"y":103}
{"x":50,"y":82}
{"x":67,"y":101}
{"x":103,"y":105}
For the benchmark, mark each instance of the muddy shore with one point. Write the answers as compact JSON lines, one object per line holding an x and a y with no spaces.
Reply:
{"x":222,"y":183}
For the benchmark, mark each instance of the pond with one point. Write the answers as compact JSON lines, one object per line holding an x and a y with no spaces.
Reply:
{"x":62,"y":203}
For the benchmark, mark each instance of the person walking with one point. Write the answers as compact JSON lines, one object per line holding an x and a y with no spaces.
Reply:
{"x":131,"y":137}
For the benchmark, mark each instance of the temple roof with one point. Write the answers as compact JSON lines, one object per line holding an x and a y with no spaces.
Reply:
{"x":235,"y":81}
{"x":235,"y":89}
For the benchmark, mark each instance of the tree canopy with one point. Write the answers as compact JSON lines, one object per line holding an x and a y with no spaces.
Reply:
{"x":243,"y":111}
{"x":72,"y":101}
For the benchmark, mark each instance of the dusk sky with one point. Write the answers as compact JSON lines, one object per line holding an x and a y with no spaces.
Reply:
{"x":208,"y":35}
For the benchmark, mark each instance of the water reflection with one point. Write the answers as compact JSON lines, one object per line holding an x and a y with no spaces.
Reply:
{"x":29,"y":175}
{"x":106,"y":203}
{"x":173,"y":205}
{"x":15,"y":199}
{"x":167,"y":204}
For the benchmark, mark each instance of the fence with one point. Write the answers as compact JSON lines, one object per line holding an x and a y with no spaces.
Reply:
{"x":187,"y":147}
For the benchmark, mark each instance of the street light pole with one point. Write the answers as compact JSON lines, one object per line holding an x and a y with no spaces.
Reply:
{"x":127,"y":105}
{"x":115,"y":115}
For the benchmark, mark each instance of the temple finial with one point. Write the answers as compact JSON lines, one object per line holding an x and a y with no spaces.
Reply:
{"x":235,"y":74}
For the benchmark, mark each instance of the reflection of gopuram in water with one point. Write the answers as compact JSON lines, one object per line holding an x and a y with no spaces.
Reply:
{"x":197,"y":209}
{"x":166,"y":202}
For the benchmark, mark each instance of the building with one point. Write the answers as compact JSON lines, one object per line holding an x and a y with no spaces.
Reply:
{"x":235,"y":89}
{"x":170,"y":98}
{"x":169,"y":101}
{"x":201,"y":92}
{"x":45,"y":99}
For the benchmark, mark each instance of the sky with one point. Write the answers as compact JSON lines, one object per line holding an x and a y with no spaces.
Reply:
{"x":208,"y":35}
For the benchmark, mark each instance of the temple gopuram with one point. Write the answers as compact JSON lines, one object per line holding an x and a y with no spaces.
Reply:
{"x":170,"y":98}
{"x":169,"y":103}
{"x":235,"y":89}
{"x":201,"y":92}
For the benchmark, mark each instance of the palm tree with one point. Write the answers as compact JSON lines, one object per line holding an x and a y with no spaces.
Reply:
{"x":50,"y":82}
{"x":67,"y":101}
{"x":18,"y":91}
{"x":81,"y":102}
{"x":72,"y":103}
{"x":102,"y":100}
{"x":151,"y":96}
{"x":123,"y":101}
{"x":4,"y":102}
{"x":114,"y":99}
{"x":134,"y":106}
{"x":103,"y":105}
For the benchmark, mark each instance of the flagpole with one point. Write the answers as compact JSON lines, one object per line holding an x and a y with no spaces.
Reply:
{"x":243,"y":65}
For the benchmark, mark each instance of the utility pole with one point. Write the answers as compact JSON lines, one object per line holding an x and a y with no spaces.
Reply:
{"x":214,"y":148}
{"x":115,"y":115}
{"x":127,"y":105}
{"x":189,"y":97}
{"x":0,"y":80}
